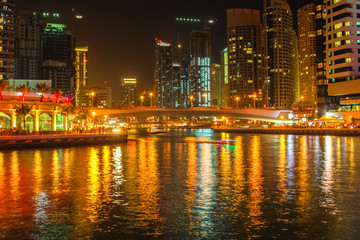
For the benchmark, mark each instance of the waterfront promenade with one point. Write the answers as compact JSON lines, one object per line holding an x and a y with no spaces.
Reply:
{"x":62,"y":140}
{"x":294,"y":131}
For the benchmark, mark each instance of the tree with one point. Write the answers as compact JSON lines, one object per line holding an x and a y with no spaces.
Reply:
{"x":57,"y":92}
{"x":71,"y":112}
{"x":24,"y":90}
{"x":4,"y":85}
{"x":42,"y":88}
{"x":23,"y":110}
{"x":83,"y":114}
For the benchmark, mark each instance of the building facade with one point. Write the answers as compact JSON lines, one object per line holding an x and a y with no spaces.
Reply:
{"x":307,"y":53}
{"x":58,"y":57}
{"x":81,"y":67}
{"x":95,"y":97}
{"x":128,"y":92}
{"x":246,"y":58}
{"x":342,"y":52}
{"x":280,"y":45}
{"x":225,"y":92}
{"x":216,"y":85}
{"x":164,"y":75}
{"x":7,"y":39}
{"x":199,"y":70}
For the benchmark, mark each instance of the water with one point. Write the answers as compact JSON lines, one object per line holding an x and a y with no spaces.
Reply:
{"x":175,"y":187}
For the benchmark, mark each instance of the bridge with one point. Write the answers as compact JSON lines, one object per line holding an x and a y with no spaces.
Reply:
{"x":248,"y":114}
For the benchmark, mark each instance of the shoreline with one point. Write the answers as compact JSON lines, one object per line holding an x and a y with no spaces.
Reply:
{"x":44,"y":141}
{"x":293,"y":131}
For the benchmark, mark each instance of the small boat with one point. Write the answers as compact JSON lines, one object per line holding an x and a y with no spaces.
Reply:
{"x":155,"y":130}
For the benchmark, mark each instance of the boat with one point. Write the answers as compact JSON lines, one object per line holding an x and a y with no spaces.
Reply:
{"x":155,"y":130}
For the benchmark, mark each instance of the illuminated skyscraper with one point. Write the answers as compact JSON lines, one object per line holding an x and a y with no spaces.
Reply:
{"x":128,"y":92}
{"x":58,"y":59}
{"x":216,"y":85}
{"x":280,"y":45}
{"x":164,"y":75}
{"x":225,"y":78}
{"x":307,"y":53}
{"x":199,"y":72}
{"x":81,"y":67}
{"x":247,"y":72}
{"x":342,"y":52}
{"x":7,"y":39}
{"x":176,"y":101}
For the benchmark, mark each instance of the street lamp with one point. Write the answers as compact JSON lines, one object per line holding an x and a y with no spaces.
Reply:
{"x":142,"y":101}
{"x":254,"y":96}
{"x":151,"y":95}
{"x":191,"y":101}
{"x":92,"y":99}
{"x":302,"y":102}
{"x":93,"y":114}
{"x":237,"y":102}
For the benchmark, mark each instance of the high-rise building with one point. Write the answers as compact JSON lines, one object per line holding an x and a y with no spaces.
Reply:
{"x":280,"y":45}
{"x":224,"y":57}
{"x":342,"y":52}
{"x":95,"y":97}
{"x":29,"y":30}
{"x":128,"y":92}
{"x":58,"y":57}
{"x":7,"y":39}
{"x":199,"y":71}
{"x":216,"y":85}
{"x":176,"y":101}
{"x":184,"y":83}
{"x":164,"y":74}
{"x":81,"y":67}
{"x":246,"y":58}
{"x":307,"y":54}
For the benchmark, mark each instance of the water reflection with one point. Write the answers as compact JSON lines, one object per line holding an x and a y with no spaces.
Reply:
{"x":264,"y":186}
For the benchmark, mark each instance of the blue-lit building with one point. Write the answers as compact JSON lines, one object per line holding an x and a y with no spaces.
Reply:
{"x":200,"y":66}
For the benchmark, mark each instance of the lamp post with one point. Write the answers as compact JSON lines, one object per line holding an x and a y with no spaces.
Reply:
{"x":151,"y":95}
{"x":92,"y":99}
{"x":254,"y":97}
{"x":191,"y":101}
{"x":302,"y":102}
{"x":237,"y":102}
{"x":142,"y":101}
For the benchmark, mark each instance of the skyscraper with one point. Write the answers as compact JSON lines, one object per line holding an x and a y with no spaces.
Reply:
{"x":58,"y":60}
{"x":176,"y":79}
{"x":164,"y":74}
{"x":224,"y":57}
{"x":128,"y":92}
{"x":199,"y":72}
{"x":342,"y":52}
{"x":7,"y":39}
{"x":307,"y":53}
{"x":28,"y":45}
{"x":279,"y":34}
{"x":216,"y":85}
{"x":247,"y":72}
{"x":81,"y":67}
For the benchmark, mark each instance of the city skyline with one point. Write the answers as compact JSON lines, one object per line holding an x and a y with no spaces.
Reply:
{"x":127,"y":49}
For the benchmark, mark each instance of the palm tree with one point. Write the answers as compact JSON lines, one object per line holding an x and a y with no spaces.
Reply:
{"x":71,"y":112}
{"x":42,"y":88}
{"x":57,"y":92}
{"x":24,"y":90}
{"x":23,"y":110}
{"x":4,"y":85}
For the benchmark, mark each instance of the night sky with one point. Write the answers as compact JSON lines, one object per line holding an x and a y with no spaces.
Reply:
{"x":120,"y":33}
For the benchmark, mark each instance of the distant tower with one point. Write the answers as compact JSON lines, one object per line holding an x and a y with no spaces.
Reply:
{"x":176,"y":100}
{"x":163,"y":74}
{"x":81,"y":67}
{"x":280,"y":45}
{"x":29,"y":30}
{"x":128,"y":92}
{"x":7,"y":39}
{"x":58,"y":61}
{"x":307,"y":53}
{"x":224,"y":56}
{"x":199,"y":72}
{"x":216,"y":85}
{"x":247,"y":71}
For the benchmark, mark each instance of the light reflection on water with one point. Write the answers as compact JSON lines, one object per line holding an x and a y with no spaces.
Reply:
{"x":173,"y":187}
